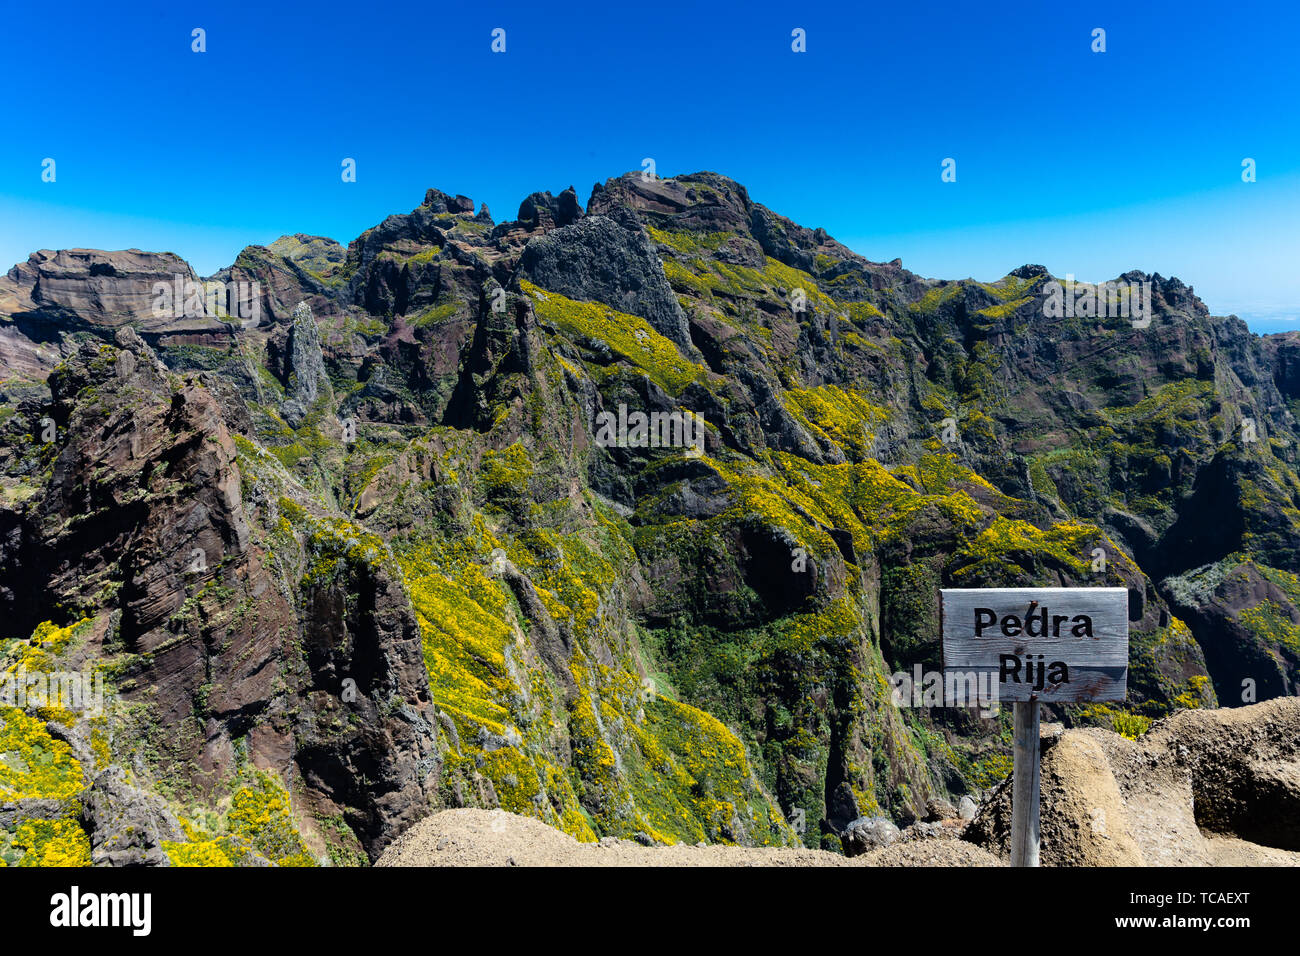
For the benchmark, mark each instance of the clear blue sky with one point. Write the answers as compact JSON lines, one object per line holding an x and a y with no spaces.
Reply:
{"x":1088,"y":163}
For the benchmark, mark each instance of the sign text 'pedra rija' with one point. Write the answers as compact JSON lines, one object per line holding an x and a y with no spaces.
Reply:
{"x":1054,"y":644}
{"x":1046,"y":645}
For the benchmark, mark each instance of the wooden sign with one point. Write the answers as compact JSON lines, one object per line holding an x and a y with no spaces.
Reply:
{"x":1054,"y":645}
{"x":1035,"y":645}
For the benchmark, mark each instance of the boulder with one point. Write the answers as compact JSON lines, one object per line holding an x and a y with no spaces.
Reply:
{"x":937,"y":808}
{"x":967,"y":808}
{"x":868,"y":833}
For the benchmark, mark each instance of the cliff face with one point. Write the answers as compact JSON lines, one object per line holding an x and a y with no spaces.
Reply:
{"x":382,"y":550}
{"x":219,"y":649}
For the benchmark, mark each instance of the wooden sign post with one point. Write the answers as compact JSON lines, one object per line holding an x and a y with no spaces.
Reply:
{"x":1024,"y":785}
{"x":1032,"y":646}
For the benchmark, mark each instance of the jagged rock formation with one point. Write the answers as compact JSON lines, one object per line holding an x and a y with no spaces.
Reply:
{"x":143,"y":529}
{"x":546,"y":212}
{"x":291,"y":270}
{"x":600,"y":259}
{"x":474,"y":596}
{"x":303,"y":368}
{"x":127,"y":826}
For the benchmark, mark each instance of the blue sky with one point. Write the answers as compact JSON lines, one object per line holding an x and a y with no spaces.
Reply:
{"x":1089,"y":163}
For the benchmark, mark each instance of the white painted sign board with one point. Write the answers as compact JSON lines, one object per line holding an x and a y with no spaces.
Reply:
{"x":1056,"y":645}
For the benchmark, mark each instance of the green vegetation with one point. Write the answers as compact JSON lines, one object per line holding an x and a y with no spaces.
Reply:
{"x":624,"y":642}
{"x":258,"y":820}
{"x":690,"y":243}
{"x":630,"y":336}
{"x":842,"y":418}
{"x":33,"y":765}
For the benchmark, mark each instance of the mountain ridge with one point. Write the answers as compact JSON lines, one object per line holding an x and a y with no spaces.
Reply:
{"x":617,"y":639}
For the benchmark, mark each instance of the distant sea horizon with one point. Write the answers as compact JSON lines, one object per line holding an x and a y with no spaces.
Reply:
{"x":1266,"y":321}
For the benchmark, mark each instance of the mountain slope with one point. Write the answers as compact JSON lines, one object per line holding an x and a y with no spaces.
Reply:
{"x":405,"y":452}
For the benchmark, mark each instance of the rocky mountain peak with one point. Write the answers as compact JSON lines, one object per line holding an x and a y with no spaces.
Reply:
{"x":545,"y":212}
{"x":439,"y":202}
{"x":638,"y":511}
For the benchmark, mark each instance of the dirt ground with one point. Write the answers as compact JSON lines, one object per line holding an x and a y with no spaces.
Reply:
{"x":498,"y":838}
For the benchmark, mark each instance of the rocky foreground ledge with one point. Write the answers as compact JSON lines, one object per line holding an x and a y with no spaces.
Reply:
{"x":498,"y":838}
{"x":1201,"y":788}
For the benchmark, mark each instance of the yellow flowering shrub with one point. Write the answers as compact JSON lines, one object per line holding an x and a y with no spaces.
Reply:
{"x":59,"y":842}
{"x":32,"y":763}
{"x":202,"y":853}
{"x":260,"y":817}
